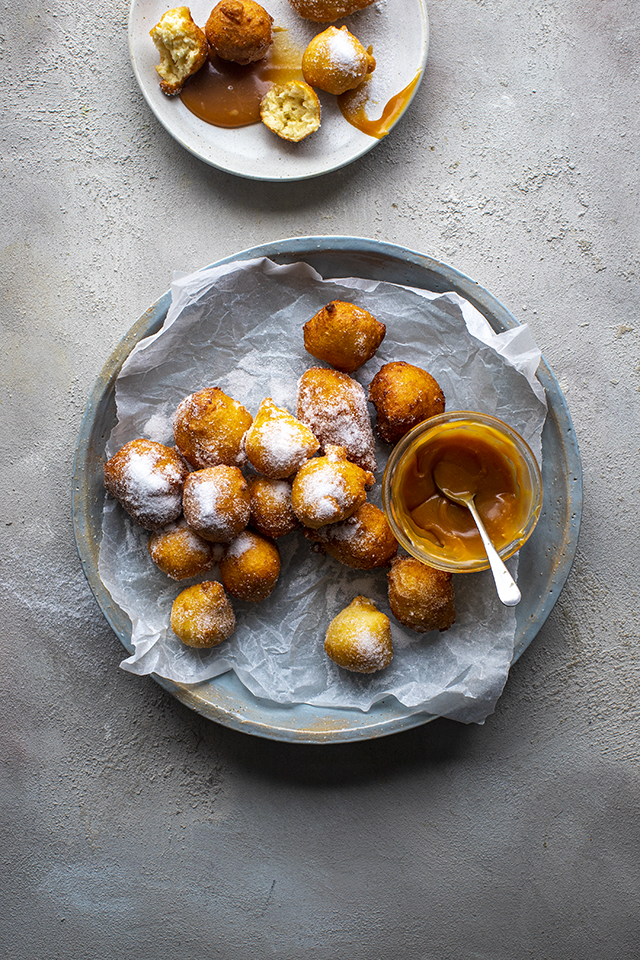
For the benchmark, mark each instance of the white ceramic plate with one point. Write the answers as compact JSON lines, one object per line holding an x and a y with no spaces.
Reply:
{"x":399,"y":33}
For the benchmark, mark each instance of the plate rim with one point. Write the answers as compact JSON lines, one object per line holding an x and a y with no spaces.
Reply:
{"x":276,"y":178}
{"x":329,"y":724}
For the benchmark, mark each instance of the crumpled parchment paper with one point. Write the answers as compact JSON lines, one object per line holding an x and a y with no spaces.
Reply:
{"x":239,"y":327}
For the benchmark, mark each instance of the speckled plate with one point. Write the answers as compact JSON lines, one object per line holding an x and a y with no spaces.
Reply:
{"x":398,"y":30}
{"x":545,"y":559}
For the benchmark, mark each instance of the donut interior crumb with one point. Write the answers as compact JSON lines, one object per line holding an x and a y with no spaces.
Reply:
{"x":291,"y":110}
{"x":182,"y":46}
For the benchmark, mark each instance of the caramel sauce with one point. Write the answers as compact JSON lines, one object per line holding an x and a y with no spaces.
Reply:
{"x":227,"y":94}
{"x":478,"y":461}
{"x":353,"y":103}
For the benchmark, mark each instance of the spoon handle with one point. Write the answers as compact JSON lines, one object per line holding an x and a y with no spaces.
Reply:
{"x":506,"y":586}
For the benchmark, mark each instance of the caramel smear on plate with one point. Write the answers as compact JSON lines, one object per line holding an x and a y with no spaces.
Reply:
{"x":353,"y":103}
{"x":227,"y":94}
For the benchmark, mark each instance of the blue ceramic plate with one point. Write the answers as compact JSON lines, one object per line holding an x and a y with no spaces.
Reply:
{"x":549,"y":552}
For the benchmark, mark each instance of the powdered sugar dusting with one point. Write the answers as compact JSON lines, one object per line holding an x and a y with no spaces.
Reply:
{"x":343,"y":53}
{"x":277,"y":444}
{"x":335,"y":407}
{"x":325,"y":490}
{"x":147,"y":477}
{"x":345,"y":531}
{"x":280,"y":491}
{"x":370,"y":649}
{"x":214,"y":504}
{"x":143,"y":477}
{"x":207,"y":500}
{"x":241,"y":544}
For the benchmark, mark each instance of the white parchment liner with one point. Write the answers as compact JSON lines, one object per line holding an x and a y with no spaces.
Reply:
{"x":239,"y":327}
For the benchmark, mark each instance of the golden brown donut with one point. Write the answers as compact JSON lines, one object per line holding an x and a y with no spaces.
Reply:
{"x":421,"y":597}
{"x":364,"y":540}
{"x":179,"y":552}
{"x":403,"y":395}
{"x":277,"y":444}
{"x":336,"y":61}
{"x":250,"y":567}
{"x":216,"y":503}
{"x":329,"y":489}
{"x":343,"y":335}
{"x":291,"y":110}
{"x":334,"y":405}
{"x":359,"y":638}
{"x":271,"y":511}
{"x":147,"y":479}
{"x":325,"y":11}
{"x":202,"y":616}
{"x":208,"y":427}
{"x":182,"y":46}
{"x":239,"y":30}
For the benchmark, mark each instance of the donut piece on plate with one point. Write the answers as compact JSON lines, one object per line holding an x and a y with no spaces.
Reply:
{"x":179,"y":552}
{"x":404,"y":395}
{"x":421,"y":597}
{"x":334,"y":406}
{"x":239,"y":31}
{"x":364,"y":540}
{"x":329,"y":489}
{"x":325,"y":11}
{"x":271,"y":510}
{"x":216,"y":503}
{"x":201,"y":616}
{"x":343,"y":335}
{"x":277,"y":444}
{"x":182,"y":46}
{"x":250,"y":567}
{"x":147,"y":479}
{"x":208,"y":427}
{"x":336,"y":61}
{"x":291,"y":110}
{"x":359,"y":638}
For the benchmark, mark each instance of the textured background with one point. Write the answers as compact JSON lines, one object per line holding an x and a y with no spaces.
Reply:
{"x":130,"y":826}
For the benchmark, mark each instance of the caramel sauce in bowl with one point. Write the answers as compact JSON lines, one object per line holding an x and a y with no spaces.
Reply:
{"x":478,"y":454}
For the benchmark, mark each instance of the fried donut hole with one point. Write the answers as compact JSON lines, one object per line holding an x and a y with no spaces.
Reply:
{"x":216,"y":503}
{"x":364,"y":540}
{"x":329,"y":489}
{"x":334,"y":406}
{"x":277,"y":444}
{"x":343,"y":335}
{"x":179,"y":552}
{"x":208,"y":427}
{"x":201,"y":616}
{"x":291,"y":110}
{"x":250,"y":567}
{"x":325,"y":11}
{"x":239,"y":30}
{"x":403,"y":396}
{"x":336,"y":61}
{"x":271,"y":510}
{"x":147,"y":480}
{"x":420,"y":597}
{"x":359,"y":638}
{"x":182,"y":46}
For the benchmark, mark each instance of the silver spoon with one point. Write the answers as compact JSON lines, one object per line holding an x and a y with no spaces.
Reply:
{"x":445,"y":480}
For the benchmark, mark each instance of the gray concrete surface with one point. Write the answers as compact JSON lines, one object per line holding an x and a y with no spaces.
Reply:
{"x":133,"y":828}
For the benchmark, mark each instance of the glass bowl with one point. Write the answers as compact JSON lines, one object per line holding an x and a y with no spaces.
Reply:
{"x":497,"y":461}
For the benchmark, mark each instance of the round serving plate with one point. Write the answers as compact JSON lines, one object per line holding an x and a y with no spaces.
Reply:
{"x":545,"y":560}
{"x":398,"y":30}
